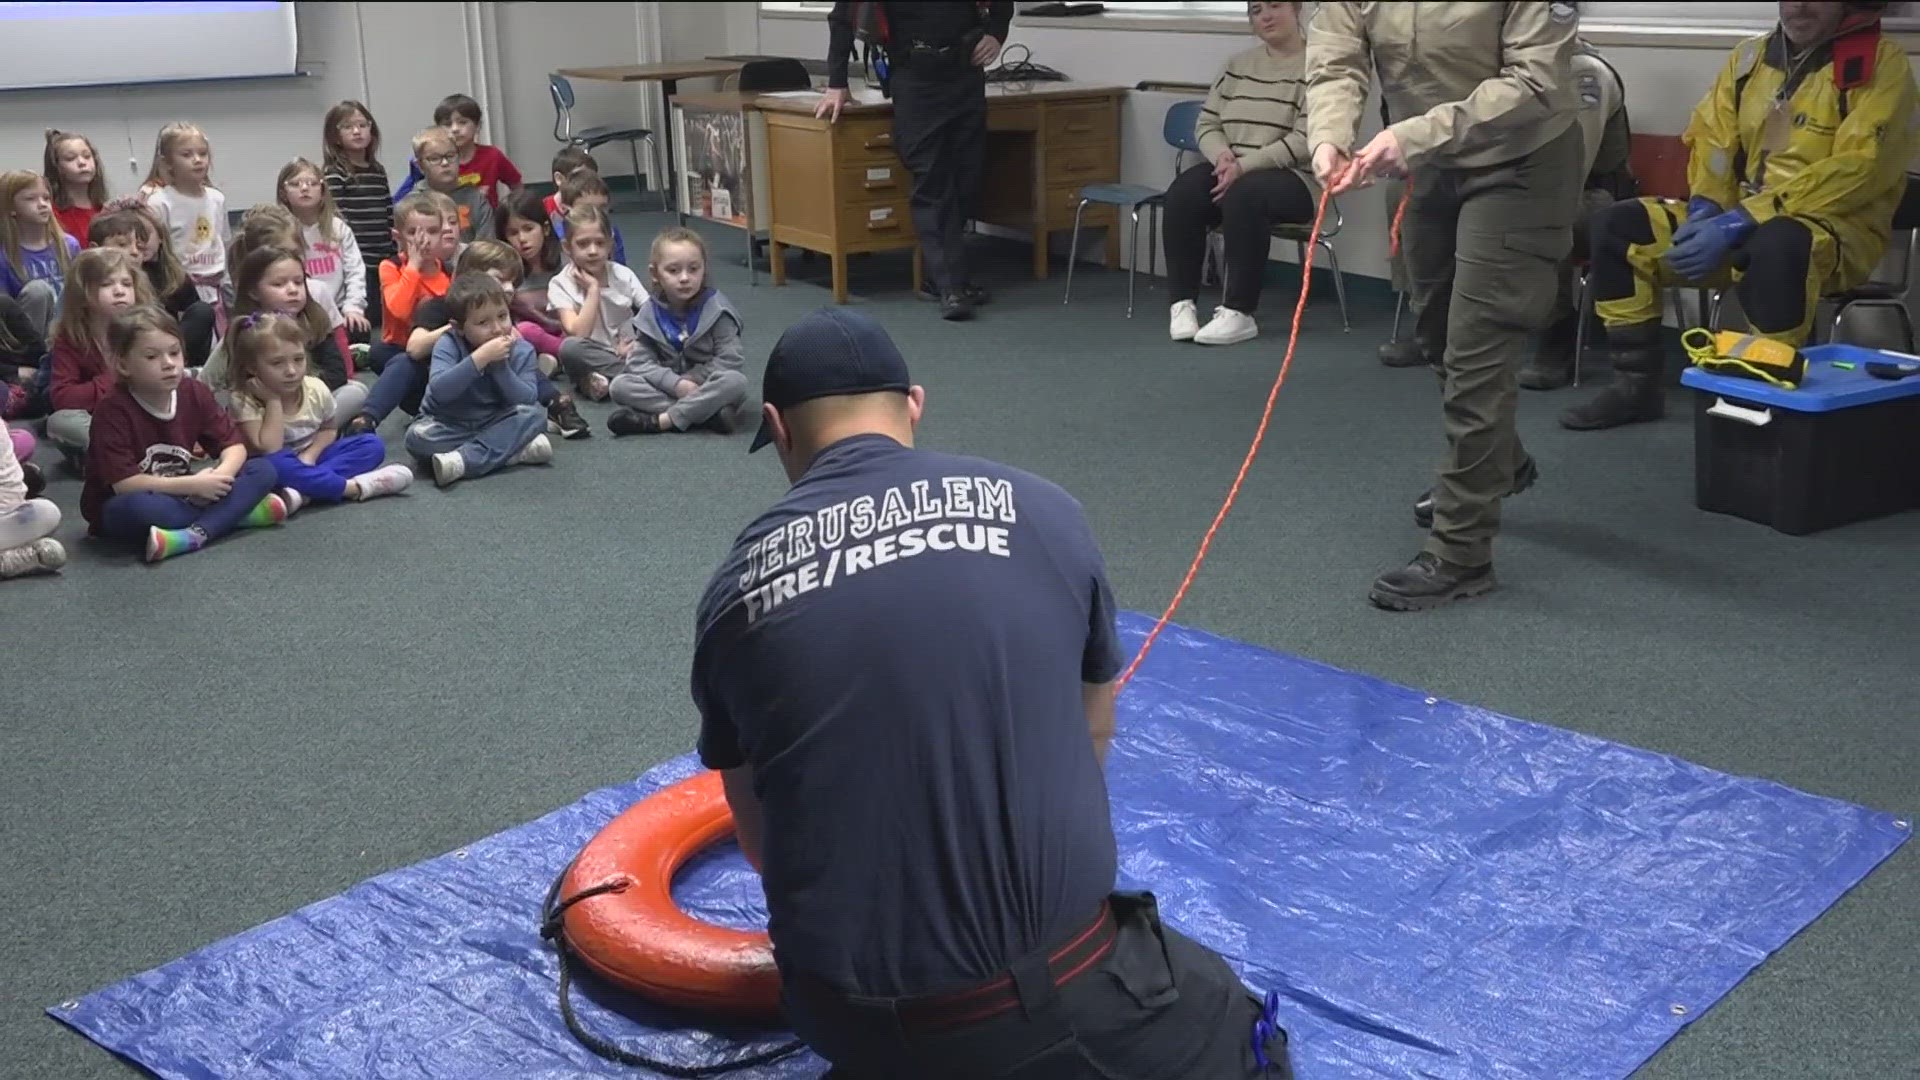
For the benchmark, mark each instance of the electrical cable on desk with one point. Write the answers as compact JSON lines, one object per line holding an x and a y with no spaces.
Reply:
{"x":1023,"y":70}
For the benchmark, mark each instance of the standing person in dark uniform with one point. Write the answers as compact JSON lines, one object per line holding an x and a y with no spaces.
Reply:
{"x":906,"y":673}
{"x":937,"y":52}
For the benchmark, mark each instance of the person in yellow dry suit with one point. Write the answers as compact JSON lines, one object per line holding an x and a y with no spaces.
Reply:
{"x":1797,"y":158}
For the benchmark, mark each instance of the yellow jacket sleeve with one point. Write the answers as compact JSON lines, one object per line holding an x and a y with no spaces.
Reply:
{"x":1713,"y":133}
{"x":1870,"y":150}
{"x":1536,"y":54}
{"x":1339,"y":76}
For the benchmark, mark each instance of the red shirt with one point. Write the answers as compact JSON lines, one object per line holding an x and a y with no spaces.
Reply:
{"x":127,"y":440}
{"x":487,"y":169}
{"x":81,"y":378}
{"x":76,"y":220}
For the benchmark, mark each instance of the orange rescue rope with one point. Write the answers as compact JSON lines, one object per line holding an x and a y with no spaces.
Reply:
{"x":1260,"y":433}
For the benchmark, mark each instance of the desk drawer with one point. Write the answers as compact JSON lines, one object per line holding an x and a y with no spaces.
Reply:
{"x":875,"y":182}
{"x":878,"y":221}
{"x":1081,"y":165}
{"x":866,"y":138}
{"x":1061,"y":203}
{"x":1089,"y":123}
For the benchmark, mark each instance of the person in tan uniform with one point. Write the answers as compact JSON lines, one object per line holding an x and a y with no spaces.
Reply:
{"x":1482,"y":106}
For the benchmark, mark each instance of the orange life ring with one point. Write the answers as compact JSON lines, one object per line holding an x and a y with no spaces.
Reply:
{"x":637,"y":938}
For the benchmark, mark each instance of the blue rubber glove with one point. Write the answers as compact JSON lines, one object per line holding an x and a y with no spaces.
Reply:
{"x":1707,"y":248}
{"x":1700,"y":210}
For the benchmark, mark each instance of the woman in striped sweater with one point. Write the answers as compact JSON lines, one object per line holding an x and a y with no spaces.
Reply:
{"x":1252,"y":132}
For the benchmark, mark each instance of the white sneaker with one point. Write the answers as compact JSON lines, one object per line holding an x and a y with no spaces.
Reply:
{"x":1228,"y":327}
{"x":538,"y":452}
{"x":44,"y":554}
{"x":1185,"y":322}
{"x":385,"y":480}
{"x":293,"y":499}
{"x":449,"y":467}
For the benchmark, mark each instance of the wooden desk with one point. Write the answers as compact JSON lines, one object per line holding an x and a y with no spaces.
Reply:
{"x":668,"y":74}
{"x":839,"y":189}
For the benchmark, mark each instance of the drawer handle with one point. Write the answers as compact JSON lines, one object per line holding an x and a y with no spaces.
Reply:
{"x":1080,"y":166}
{"x":883,"y":226}
{"x":879,"y":185}
{"x":1079,"y":129}
{"x":1757,"y":417}
{"x":879,"y":142}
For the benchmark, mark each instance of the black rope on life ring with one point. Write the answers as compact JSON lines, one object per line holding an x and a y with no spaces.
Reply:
{"x":552,"y":928}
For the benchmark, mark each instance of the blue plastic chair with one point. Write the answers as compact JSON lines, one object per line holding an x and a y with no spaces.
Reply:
{"x":1177,"y":129}
{"x":560,"y":88}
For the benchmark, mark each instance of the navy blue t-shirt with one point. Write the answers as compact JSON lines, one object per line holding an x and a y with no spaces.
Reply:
{"x":897,"y":650}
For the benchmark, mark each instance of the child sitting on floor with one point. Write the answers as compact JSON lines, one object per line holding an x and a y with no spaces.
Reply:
{"x":106,"y":282}
{"x":134,"y":230}
{"x":686,"y":371}
{"x":595,"y":299}
{"x":22,"y":350}
{"x":140,"y":484}
{"x":289,"y":417}
{"x":274,"y":280}
{"x":586,"y":188}
{"x":525,"y":228}
{"x":482,"y":405}
{"x":35,"y":255}
{"x":434,"y":150}
{"x":498,"y":261}
{"x":27,"y":545}
{"x":418,"y":272}
{"x":72,"y":169}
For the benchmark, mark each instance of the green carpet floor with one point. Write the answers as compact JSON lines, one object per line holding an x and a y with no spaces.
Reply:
{"x":195,"y":748}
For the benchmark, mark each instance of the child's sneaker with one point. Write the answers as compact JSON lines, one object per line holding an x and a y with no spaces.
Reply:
{"x":538,"y":452}
{"x":566,"y":420}
{"x":385,"y":480}
{"x":449,"y":467}
{"x":629,"y":422}
{"x":35,"y":480}
{"x":293,"y":499}
{"x":44,"y":555}
{"x":359,"y":425}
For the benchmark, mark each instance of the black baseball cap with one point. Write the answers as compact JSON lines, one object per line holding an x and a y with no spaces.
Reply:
{"x":832,"y":351}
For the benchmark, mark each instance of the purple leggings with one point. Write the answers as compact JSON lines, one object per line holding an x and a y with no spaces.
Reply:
{"x":23,"y":443}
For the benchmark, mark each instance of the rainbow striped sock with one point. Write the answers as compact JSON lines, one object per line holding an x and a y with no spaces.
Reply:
{"x":271,"y":511}
{"x":166,"y":543}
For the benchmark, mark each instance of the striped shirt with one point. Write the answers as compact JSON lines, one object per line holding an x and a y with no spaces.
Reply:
{"x":365,"y":203}
{"x":1257,"y":109}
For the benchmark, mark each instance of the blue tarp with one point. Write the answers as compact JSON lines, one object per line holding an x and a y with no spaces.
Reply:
{"x":1436,"y":890}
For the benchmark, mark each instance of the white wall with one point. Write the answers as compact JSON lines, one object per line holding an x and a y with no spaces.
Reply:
{"x":1663,"y":84}
{"x":399,"y":58}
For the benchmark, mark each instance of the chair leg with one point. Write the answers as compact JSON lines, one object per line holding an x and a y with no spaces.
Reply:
{"x":1580,"y":325}
{"x":1153,"y":244}
{"x":1073,"y":250}
{"x":1339,"y":285}
{"x":633,"y":151}
{"x":1133,"y":254}
{"x":1399,"y":304}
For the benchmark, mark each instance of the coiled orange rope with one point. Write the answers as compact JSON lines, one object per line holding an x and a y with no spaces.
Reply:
{"x":1266,"y":415}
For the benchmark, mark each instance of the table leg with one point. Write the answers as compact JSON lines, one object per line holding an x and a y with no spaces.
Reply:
{"x":776,"y":262}
{"x":670,"y":185}
{"x":839,"y":278}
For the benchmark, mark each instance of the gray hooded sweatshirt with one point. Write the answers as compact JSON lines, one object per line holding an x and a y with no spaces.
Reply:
{"x":712,"y":342}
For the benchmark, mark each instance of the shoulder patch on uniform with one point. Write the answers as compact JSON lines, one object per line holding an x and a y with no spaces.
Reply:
{"x":1562,"y":12}
{"x":1589,"y":85}
{"x":1746,"y":54}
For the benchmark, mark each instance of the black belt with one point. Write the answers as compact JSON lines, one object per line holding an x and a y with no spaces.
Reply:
{"x":920,"y":50}
{"x":1087,"y":947}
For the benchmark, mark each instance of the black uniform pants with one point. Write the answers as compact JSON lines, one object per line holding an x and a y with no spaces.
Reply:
{"x":940,"y":133}
{"x":1245,"y":216}
{"x":1157,"y":1007}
